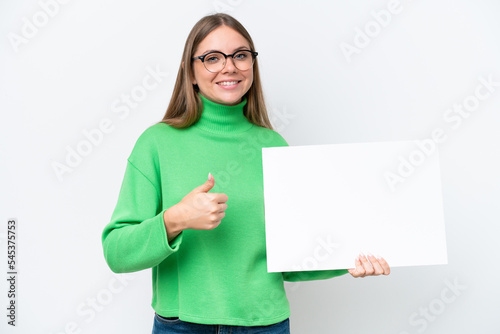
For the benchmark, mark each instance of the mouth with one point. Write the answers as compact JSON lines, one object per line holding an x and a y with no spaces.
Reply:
{"x":228,"y":83}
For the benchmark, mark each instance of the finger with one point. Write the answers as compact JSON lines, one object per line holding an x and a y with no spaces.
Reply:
{"x":215,"y":208}
{"x":219,"y":197}
{"x":377,"y":267}
{"x":353,"y":272}
{"x":215,"y":220}
{"x":214,"y":225}
{"x":358,"y":271}
{"x":366,"y":265}
{"x":205,"y":187}
{"x":356,"y":264}
{"x":384,"y":265}
{"x":222,"y":207}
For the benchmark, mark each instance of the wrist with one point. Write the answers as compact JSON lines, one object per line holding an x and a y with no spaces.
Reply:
{"x":173,"y":225}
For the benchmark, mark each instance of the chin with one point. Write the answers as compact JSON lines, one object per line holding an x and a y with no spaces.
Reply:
{"x":229,"y":100}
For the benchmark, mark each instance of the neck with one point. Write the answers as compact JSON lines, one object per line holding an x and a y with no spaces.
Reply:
{"x":222,"y":119}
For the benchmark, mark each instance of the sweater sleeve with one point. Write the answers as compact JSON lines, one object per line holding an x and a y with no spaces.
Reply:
{"x":136,"y":238}
{"x":297,"y":276}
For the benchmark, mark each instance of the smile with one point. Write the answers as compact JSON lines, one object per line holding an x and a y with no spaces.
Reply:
{"x":227,"y":83}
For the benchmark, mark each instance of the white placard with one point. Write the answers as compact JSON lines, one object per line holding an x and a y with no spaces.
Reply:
{"x":324,"y":204}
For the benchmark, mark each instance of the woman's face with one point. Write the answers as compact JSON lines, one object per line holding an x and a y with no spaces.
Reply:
{"x":229,"y":85}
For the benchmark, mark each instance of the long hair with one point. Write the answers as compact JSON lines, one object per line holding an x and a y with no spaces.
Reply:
{"x":185,"y":105}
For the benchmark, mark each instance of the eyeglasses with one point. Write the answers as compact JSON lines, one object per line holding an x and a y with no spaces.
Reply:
{"x":215,"y":61}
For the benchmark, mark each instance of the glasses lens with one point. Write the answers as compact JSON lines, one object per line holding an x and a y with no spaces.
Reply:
{"x":243,"y":60}
{"x":214,"y":62}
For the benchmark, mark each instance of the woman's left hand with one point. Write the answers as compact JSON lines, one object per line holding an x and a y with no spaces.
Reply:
{"x":369,"y":266}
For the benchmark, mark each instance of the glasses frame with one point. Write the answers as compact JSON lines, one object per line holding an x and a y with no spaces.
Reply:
{"x":202,"y":58}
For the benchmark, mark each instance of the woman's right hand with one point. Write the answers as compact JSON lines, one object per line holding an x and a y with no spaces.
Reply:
{"x":198,"y":210}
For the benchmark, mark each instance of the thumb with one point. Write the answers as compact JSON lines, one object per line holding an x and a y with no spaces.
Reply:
{"x":209,"y":184}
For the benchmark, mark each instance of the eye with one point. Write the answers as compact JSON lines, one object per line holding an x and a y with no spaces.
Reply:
{"x":213,"y":58}
{"x":242,"y":55}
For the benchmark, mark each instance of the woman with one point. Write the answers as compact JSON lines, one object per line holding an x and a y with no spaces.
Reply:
{"x":206,"y":243}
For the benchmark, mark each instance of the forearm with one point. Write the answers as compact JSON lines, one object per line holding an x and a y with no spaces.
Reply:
{"x":130,"y":247}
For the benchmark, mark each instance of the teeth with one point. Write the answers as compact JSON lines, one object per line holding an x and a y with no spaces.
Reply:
{"x":227,"y":83}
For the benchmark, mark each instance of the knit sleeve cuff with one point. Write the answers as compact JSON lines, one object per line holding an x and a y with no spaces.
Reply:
{"x":173,"y":245}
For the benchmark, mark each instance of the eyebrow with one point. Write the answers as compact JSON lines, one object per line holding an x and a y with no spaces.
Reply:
{"x":238,"y":48}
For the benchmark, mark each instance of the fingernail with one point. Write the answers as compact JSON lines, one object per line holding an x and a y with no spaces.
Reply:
{"x":369,"y":254}
{"x":209,"y":176}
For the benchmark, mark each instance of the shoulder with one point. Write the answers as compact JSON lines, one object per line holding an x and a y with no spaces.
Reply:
{"x":269,"y":137}
{"x":153,"y":134}
{"x":145,"y":155}
{"x":154,"y":131}
{"x":146,"y":144}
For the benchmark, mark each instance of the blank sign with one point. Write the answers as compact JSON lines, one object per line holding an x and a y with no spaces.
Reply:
{"x":324,"y":204}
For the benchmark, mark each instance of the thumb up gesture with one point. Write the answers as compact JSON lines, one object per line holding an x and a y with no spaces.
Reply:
{"x":198,"y":210}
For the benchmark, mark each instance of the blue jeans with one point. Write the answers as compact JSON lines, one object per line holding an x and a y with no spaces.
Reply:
{"x":176,"y":326}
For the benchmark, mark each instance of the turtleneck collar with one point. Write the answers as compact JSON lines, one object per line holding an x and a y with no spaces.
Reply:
{"x":222,"y":119}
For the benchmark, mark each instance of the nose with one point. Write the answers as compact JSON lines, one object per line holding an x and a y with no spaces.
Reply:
{"x":229,"y":67}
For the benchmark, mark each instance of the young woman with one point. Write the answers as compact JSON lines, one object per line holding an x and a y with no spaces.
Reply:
{"x":205,"y":242}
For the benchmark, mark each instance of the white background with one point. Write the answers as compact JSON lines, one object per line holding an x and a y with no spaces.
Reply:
{"x":71,"y":72}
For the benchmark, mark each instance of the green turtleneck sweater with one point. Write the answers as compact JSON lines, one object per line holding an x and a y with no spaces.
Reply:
{"x":214,"y":276}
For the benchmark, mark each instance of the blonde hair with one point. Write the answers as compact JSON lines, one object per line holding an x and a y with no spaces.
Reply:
{"x":185,"y":105}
